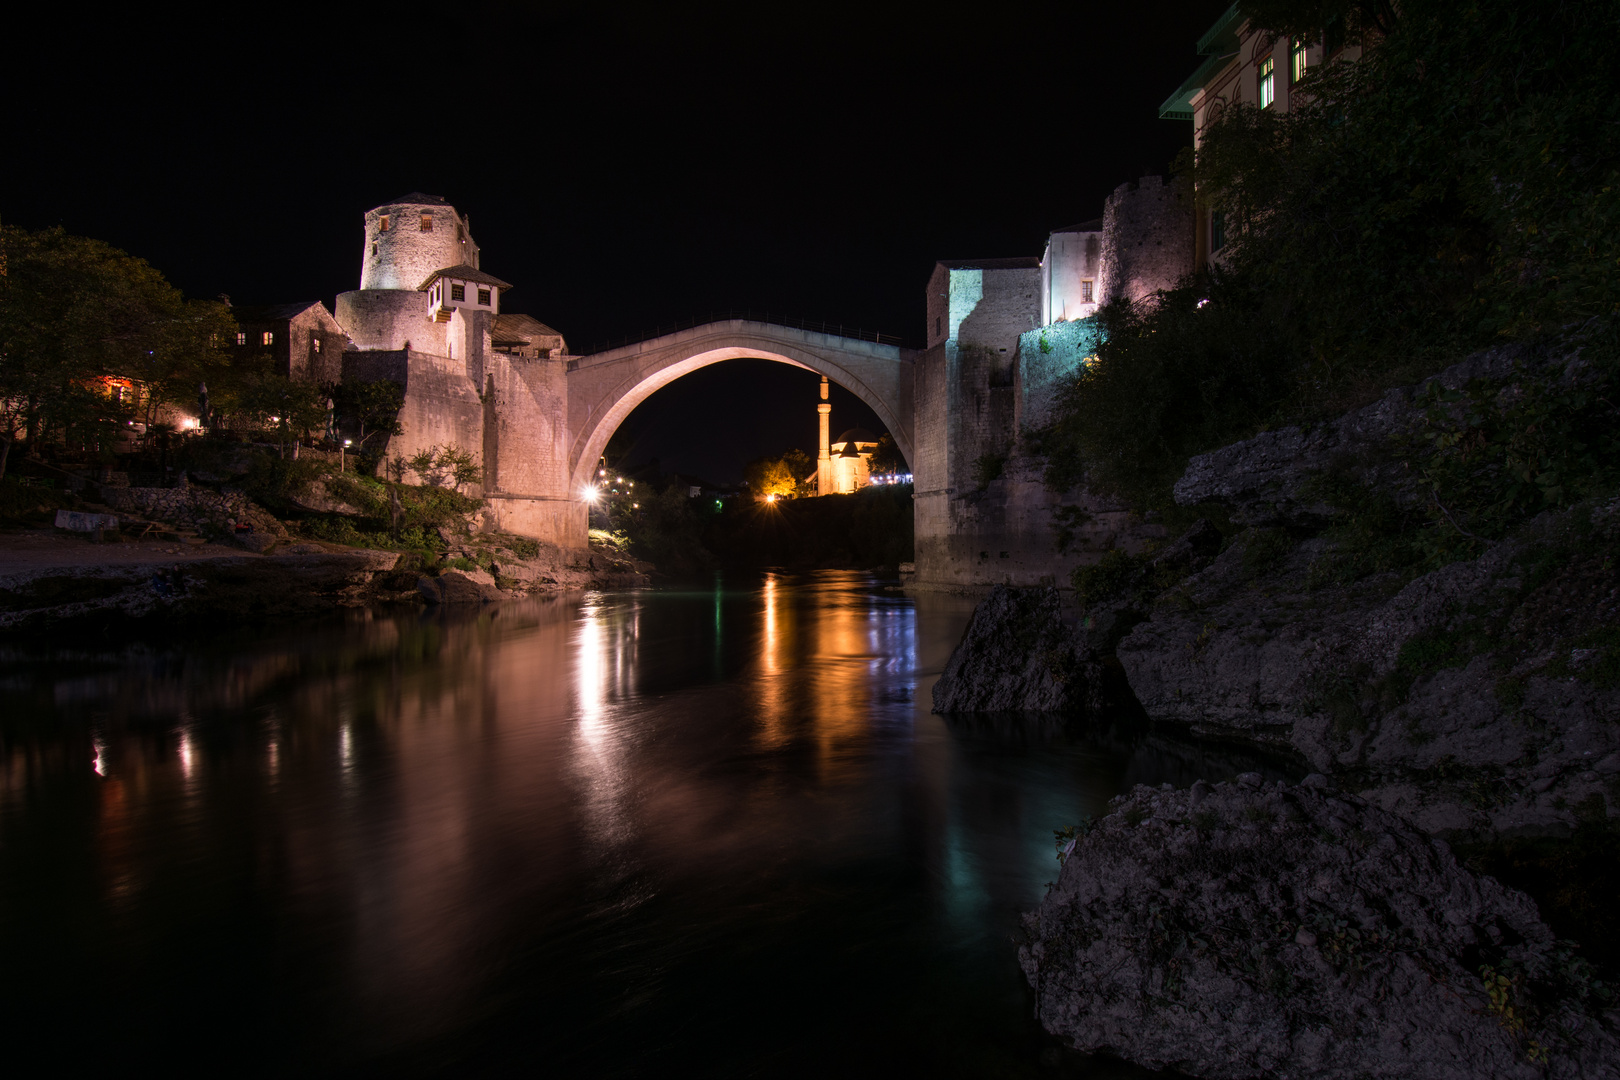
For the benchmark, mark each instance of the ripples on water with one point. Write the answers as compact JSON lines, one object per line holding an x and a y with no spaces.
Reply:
{"x":609,"y":834}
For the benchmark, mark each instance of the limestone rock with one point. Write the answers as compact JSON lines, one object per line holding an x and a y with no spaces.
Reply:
{"x":459,"y":587}
{"x":228,"y":587}
{"x":1486,"y":742}
{"x":315,"y":498}
{"x":1242,"y":930}
{"x":1018,"y":653}
{"x":1263,"y":479}
{"x":256,"y":541}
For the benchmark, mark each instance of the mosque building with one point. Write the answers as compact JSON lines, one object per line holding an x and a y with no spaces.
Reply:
{"x":843,"y":465}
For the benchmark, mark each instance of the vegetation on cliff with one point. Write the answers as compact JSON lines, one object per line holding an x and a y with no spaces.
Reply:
{"x":1458,"y":187}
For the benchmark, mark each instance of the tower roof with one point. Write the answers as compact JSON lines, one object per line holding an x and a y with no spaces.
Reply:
{"x":417,"y":198}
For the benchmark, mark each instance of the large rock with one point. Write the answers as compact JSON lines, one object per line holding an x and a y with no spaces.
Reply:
{"x":1018,"y":653}
{"x":459,"y":587}
{"x":1458,"y":698}
{"x":1265,"y":480}
{"x":227,"y":588}
{"x":1245,"y":930}
{"x":317,"y":499}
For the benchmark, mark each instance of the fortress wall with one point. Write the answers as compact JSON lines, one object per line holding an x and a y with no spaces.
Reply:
{"x":441,"y":407}
{"x":1148,"y":235}
{"x":986,"y":346}
{"x":390,"y":319}
{"x":1047,"y":359}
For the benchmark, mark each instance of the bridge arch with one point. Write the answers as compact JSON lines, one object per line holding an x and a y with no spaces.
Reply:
{"x":605,"y":387}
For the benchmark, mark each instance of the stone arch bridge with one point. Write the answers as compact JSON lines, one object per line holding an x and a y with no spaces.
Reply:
{"x":542,"y":423}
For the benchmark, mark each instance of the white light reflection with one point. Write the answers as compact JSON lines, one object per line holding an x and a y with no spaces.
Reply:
{"x":346,"y":748}
{"x":101,"y":755}
{"x":188,"y":755}
{"x":601,"y":747}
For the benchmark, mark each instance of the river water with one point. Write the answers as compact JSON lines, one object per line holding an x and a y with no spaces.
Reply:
{"x":608,"y":834}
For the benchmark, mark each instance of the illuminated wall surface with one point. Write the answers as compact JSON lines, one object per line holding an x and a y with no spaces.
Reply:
{"x":606,"y":832}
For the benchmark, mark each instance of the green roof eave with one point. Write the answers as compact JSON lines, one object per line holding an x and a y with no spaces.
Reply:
{"x":1178,"y":106}
{"x":1222,"y":37}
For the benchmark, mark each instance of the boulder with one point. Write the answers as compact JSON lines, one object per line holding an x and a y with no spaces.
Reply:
{"x":315,"y":498}
{"x":1453,"y":698}
{"x":256,"y":541}
{"x":1244,"y":930}
{"x":1018,"y":653}
{"x":459,"y":587}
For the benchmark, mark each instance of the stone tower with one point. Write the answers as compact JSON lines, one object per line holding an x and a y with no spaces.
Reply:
{"x":406,"y":240}
{"x":825,"y":484}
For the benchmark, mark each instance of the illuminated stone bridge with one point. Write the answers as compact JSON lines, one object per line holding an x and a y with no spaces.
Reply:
{"x":542,"y":422}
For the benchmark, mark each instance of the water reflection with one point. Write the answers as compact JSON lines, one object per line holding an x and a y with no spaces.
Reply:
{"x":715,"y":827}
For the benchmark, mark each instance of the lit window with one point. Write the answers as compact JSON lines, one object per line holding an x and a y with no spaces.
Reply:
{"x":1297,"y":62}
{"x":241,"y":339}
{"x":382,"y":223}
{"x":483,"y":297}
{"x":458,"y":292}
{"x":1268,"y":75}
{"x":269,"y":338}
{"x":427,"y":222}
{"x":1085,"y":290}
{"x":316,"y":342}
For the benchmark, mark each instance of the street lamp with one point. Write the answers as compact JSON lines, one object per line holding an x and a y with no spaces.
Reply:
{"x":343,"y":452}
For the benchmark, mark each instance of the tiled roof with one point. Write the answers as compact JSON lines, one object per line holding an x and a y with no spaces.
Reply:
{"x":1029,"y":262}
{"x":463,"y":273}
{"x":262,"y":313}
{"x":510,"y":326}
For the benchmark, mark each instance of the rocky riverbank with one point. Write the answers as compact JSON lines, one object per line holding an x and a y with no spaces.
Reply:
{"x":1245,"y":929}
{"x":1471,"y":699}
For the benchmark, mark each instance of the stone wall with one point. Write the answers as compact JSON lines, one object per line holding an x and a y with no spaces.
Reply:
{"x":1147,"y":241}
{"x":390,"y":319}
{"x":306,"y":364}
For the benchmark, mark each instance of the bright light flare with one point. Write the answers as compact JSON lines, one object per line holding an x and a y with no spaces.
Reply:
{"x":770,"y":498}
{"x":592,"y":494}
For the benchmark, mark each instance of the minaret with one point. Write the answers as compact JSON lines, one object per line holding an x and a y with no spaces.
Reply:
{"x":824,"y":476}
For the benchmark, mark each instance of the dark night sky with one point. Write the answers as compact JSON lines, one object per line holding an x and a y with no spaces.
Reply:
{"x":624,"y":166}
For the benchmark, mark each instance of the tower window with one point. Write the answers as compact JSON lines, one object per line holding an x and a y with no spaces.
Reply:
{"x":374,"y":249}
{"x":427,"y":222}
{"x":1268,"y":83}
{"x":241,"y":339}
{"x":1298,"y":61}
{"x":316,"y":344}
{"x":1086,"y":287}
{"x":483,"y":297}
{"x":269,"y":338}
{"x":458,"y":292}
{"x":382,"y":223}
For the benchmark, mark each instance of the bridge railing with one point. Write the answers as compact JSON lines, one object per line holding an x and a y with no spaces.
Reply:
{"x":815,"y":326}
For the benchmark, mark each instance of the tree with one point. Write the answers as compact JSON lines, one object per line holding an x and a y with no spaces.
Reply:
{"x":887,"y":459}
{"x":770,"y":478}
{"x":373,"y":404}
{"x":74,"y":310}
